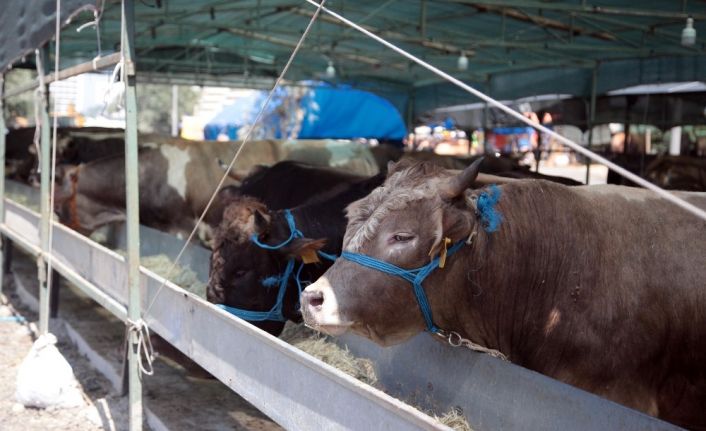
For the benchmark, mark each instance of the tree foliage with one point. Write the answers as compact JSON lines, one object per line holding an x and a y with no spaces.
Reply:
{"x":154,"y":104}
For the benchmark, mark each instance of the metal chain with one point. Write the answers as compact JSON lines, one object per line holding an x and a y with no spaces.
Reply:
{"x":455,"y":339}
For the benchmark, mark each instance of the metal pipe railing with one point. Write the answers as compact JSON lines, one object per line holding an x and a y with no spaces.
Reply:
{"x":89,"y":66}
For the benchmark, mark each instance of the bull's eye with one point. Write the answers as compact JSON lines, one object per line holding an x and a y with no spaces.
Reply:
{"x":239,"y":273}
{"x":403,"y":237}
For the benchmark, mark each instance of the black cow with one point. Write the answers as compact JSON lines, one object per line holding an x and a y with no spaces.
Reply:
{"x":239,"y":267}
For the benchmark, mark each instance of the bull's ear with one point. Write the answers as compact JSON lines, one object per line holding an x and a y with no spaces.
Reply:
{"x":454,"y":186}
{"x":304,"y":249}
{"x":262,"y":220}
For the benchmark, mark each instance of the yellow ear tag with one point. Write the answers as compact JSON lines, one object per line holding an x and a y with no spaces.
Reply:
{"x":442,"y":256}
{"x":310,"y":256}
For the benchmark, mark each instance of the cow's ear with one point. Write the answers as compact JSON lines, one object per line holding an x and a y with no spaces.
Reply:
{"x":262,"y":220}
{"x":304,"y":249}
{"x":454,"y":186}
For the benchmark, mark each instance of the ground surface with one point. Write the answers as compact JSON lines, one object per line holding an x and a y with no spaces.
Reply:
{"x":103,"y":410}
{"x":178,"y":399}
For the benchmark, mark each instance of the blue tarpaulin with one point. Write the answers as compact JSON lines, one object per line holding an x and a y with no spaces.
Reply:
{"x":321,"y":112}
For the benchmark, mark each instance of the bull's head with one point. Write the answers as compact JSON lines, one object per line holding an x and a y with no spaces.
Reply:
{"x":240,"y":269}
{"x":404,"y":223}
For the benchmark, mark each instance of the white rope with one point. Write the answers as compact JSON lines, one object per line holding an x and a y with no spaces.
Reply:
{"x":145,"y":351}
{"x":52,"y":169}
{"x":576,"y":147}
{"x":246,"y":139}
{"x":38,"y":106}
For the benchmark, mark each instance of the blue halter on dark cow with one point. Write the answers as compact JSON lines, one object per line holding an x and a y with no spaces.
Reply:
{"x":275,"y":313}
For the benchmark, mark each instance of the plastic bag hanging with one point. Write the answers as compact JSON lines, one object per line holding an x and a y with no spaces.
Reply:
{"x":115,"y":95}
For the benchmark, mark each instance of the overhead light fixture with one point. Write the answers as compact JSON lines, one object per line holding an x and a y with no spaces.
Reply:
{"x":330,"y":70}
{"x":462,"y":63}
{"x":688,"y":35}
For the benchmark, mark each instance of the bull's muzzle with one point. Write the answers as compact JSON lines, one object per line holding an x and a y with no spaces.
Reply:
{"x":320,"y":309}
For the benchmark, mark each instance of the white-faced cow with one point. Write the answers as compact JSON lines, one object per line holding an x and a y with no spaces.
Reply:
{"x":602,"y":287}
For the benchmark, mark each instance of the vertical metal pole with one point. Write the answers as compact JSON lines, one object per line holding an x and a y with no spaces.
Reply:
{"x":133,"y":209}
{"x":591,"y":121}
{"x":46,"y":212}
{"x":175,"y":110}
{"x":675,"y":141}
{"x":486,"y":128}
{"x":423,"y":20}
{"x":3,"y":131}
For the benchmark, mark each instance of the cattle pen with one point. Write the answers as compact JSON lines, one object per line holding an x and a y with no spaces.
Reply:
{"x":294,"y":389}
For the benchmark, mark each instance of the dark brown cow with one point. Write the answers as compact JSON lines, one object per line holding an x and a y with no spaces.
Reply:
{"x":602,"y":287}
{"x":239,"y":267}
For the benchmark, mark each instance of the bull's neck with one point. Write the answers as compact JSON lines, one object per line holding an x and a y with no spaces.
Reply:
{"x":504,"y":285}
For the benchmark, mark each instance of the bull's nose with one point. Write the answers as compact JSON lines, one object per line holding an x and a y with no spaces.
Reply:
{"x":313,"y":298}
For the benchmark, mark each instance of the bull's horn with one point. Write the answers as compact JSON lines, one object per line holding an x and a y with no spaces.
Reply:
{"x":454,"y":186}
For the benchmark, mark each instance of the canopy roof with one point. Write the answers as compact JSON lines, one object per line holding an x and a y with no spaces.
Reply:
{"x":515,"y":48}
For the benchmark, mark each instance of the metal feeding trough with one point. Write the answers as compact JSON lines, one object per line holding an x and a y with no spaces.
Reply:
{"x":300,"y":392}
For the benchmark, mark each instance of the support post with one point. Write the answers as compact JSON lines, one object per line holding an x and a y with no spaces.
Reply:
{"x":132,"y":210}
{"x":3,"y":132}
{"x":54,"y":286}
{"x":45,"y":183}
{"x":175,"y":110}
{"x":486,"y":128}
{"x":409,"y":117}
{"x":591,"y":121}
{"x":675,"y":141}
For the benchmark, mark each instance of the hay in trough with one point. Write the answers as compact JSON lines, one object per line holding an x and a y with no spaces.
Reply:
{"x":325,"y":349}
{"x":454,"y":419}
{"x":322,"y":347}
{"x":161,"y":264}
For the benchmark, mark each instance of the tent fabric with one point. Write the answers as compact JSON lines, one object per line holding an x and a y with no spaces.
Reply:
{"x":320,"y":112}
{"x":27,"y":25}
{"x":514,"y":48}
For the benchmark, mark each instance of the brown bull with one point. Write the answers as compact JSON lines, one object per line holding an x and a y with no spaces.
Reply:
{"x":602,"y":287}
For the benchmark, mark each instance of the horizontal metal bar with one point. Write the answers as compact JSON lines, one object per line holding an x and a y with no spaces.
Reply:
{"x":295,"y":389}
{"x":89,"y":66}
{"x":19,"y":240}
{"x":592,"y":9}
{"x":93,"y":291}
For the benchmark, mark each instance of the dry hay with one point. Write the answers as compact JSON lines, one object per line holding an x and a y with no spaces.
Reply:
{"x":454,"y":419}
{"x":162,"y":265}
{"x":325,"y":349}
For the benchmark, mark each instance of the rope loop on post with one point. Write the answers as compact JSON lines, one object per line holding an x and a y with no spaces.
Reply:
{"x":143,"y":343}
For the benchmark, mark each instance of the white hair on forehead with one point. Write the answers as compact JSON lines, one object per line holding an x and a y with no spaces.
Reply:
{"x":366,"y":215}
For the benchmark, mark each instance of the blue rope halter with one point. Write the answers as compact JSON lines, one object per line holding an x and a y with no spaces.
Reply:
{"x":414,"y":276}
{"x":489,"y":217}
{"x":275,"y":313}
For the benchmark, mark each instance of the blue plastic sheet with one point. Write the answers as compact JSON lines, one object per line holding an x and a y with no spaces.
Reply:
{"x":325,"y":112}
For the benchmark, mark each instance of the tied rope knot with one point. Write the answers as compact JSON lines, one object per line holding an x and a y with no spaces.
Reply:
{"x":145,"y":352}
{"x":490,"y":218}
